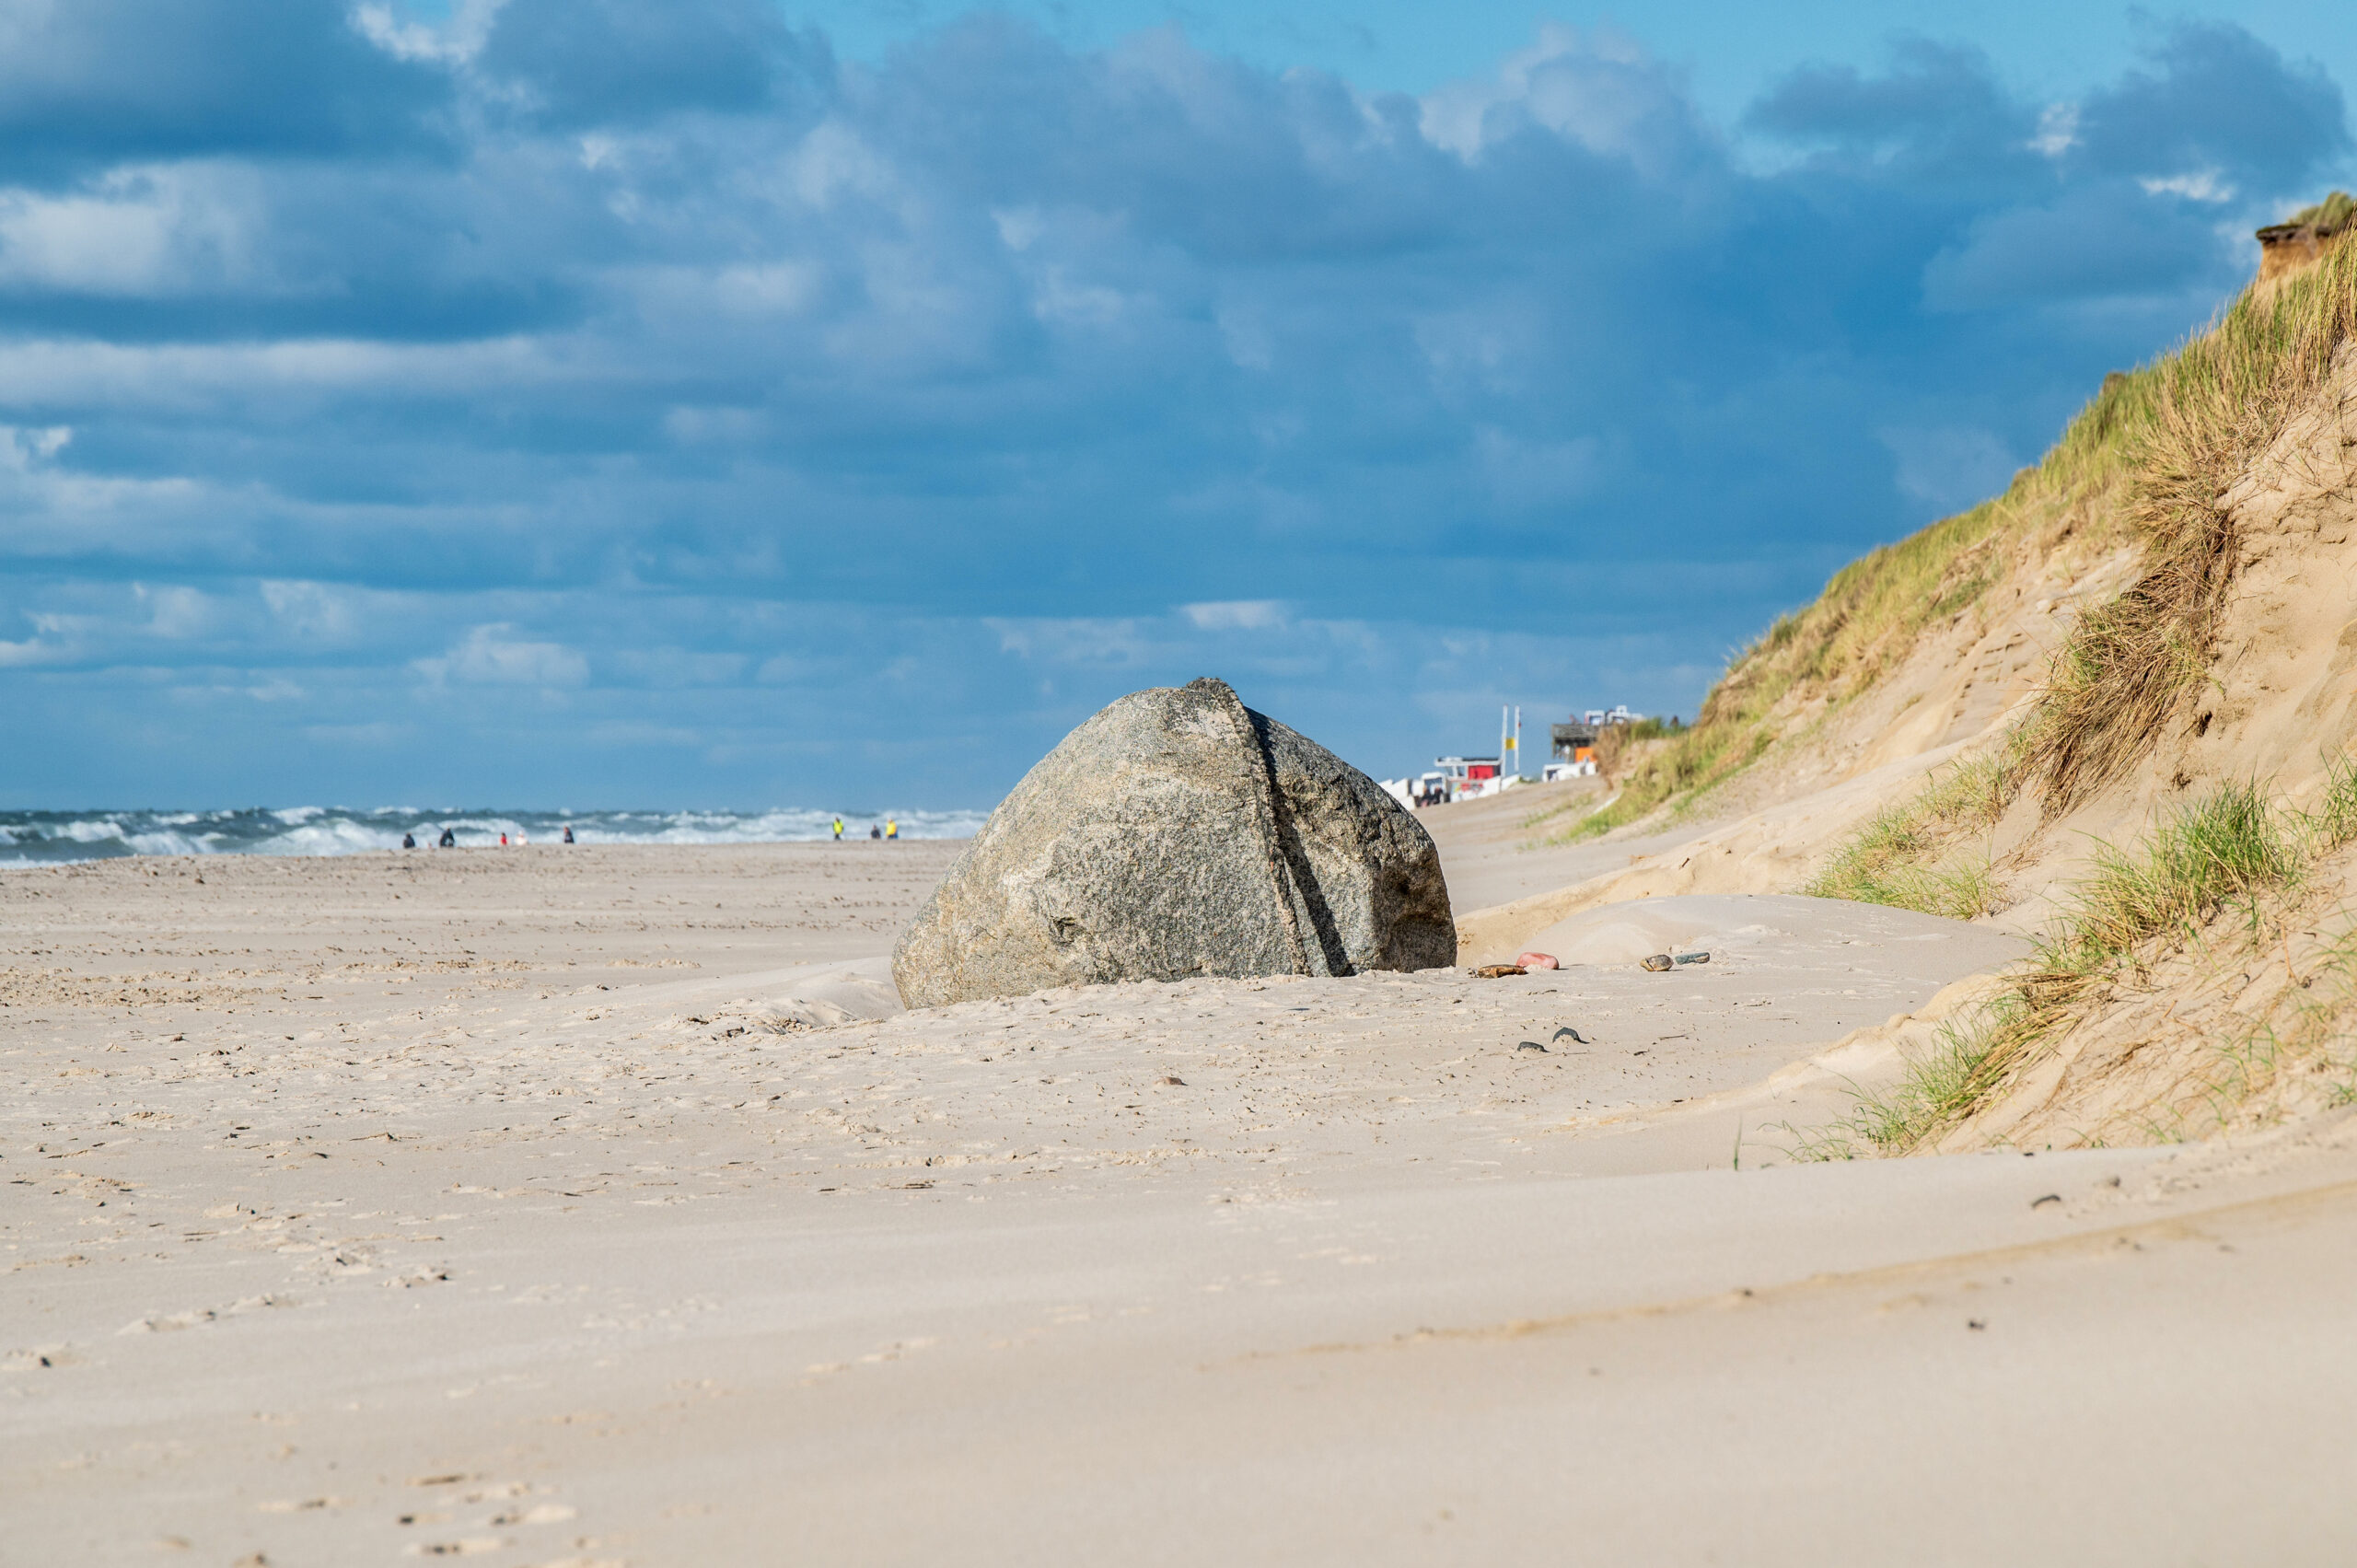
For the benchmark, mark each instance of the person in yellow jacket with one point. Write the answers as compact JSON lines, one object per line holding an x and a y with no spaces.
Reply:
{"x":891,"y":827}
{"x":838,"y":830}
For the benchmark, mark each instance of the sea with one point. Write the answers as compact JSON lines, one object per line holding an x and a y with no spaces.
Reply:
{"x":48,"y":838}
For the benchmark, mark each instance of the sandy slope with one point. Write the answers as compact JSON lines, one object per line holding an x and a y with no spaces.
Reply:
{"x":403,"y":1205}
{"x":2250,"y":1019}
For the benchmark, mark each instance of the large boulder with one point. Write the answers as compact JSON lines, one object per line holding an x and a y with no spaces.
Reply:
{"x":1180,"y":834}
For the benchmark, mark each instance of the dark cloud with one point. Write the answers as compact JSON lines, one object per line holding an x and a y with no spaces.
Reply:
{"x":2103,"y":241}
{"x":94,"y":82}
{"x":1938,"y":114}
{"x":2214,"y":99}
{"x":583,"y":62}
{"x":973,"y":388}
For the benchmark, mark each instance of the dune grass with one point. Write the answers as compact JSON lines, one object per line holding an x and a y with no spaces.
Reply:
{"x":2334,"y":821}
{"x":1548,"y":820}
{"x":2228,"y":849}
{"x":1681,"y":767}
{"x":2150,"y":456}
{"x":1873,"y":612}
{"x":2328,"y":216}
{"x":2232,"y":848}
{"x":1908,"y":855}
{"x":2190,"y":423}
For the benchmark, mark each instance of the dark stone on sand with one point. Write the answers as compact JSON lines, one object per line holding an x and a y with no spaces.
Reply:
{"x":1178,"y":833}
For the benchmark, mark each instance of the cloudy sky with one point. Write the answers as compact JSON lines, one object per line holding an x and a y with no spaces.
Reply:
{"x":606,"y":402}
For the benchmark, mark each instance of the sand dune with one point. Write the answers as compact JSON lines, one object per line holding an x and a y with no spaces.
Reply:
{"x":603,"y":1207}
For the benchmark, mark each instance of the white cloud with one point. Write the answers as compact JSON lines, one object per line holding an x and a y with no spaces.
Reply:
{"x":1057,"y":298}
{"x":1235,"y":615}
{"x":309,"y":609}
{"x":1248,"y":339}
{"x":2202,"y":185}
{"x":148,"y":232}
{"x":1599,"y":89}
{"x":202,"y":378}
{"x":456,"y":40}
{"x":2058,"y":129}
{"x":832,"y":161}
{"x":738,"y":292}
{"x":492,"y":655}
{"x":32,"y":651}
{"x":1019,"y":227}
{"x":22,"y":445}
{"x":1101,"y":643}
{"x":175,"y":613}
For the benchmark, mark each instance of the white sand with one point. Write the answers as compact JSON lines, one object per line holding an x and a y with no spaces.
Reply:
{"x":510,"y":1204}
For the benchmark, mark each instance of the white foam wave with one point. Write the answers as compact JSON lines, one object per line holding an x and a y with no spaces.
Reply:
{"x":48,"y":837}
{"x":341,"y":836}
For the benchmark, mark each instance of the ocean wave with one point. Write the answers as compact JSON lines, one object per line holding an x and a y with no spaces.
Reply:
{"x":46,"y":838}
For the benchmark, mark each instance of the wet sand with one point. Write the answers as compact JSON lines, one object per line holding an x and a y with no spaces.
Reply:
{"x":601,"y":1206}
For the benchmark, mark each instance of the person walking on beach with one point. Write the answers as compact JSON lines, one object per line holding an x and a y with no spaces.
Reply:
{"x":568,"y":832}
{"x":891,"y":827}
{"x":838,"y":830}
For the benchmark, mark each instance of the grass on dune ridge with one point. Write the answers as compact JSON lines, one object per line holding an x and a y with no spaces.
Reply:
{"x":1864,"y":622}
{"x":1870,"y":612}
{"x":2182,"y":429}
{"x":2200,"y":417}
{"x":2234,"y":850}
{"x":1910,"y":855}
{"x":2150,"y":456}
{"x":2151,"y":451}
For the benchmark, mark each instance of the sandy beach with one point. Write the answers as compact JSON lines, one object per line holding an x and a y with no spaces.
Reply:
{"x":599,"y":1205}
{"x":919,"y":557}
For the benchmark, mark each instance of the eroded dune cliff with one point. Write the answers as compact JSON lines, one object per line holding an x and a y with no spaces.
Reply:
{"x":2113,"y":709}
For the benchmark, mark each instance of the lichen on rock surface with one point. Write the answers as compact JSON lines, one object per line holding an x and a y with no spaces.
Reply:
{"x":1178,"y":833}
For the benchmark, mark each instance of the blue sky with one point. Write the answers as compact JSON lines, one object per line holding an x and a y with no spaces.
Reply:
{"x":581,"y":402}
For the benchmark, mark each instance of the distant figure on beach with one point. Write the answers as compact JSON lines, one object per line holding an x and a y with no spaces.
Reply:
{"x":409,"y":841}
{"x":450,"y":839}
{"x":874,"y":833}
{"x":891,"y":827}
{"x":503,"y":841}
{"x":568,"y":832}
{"x":838,"y":830}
